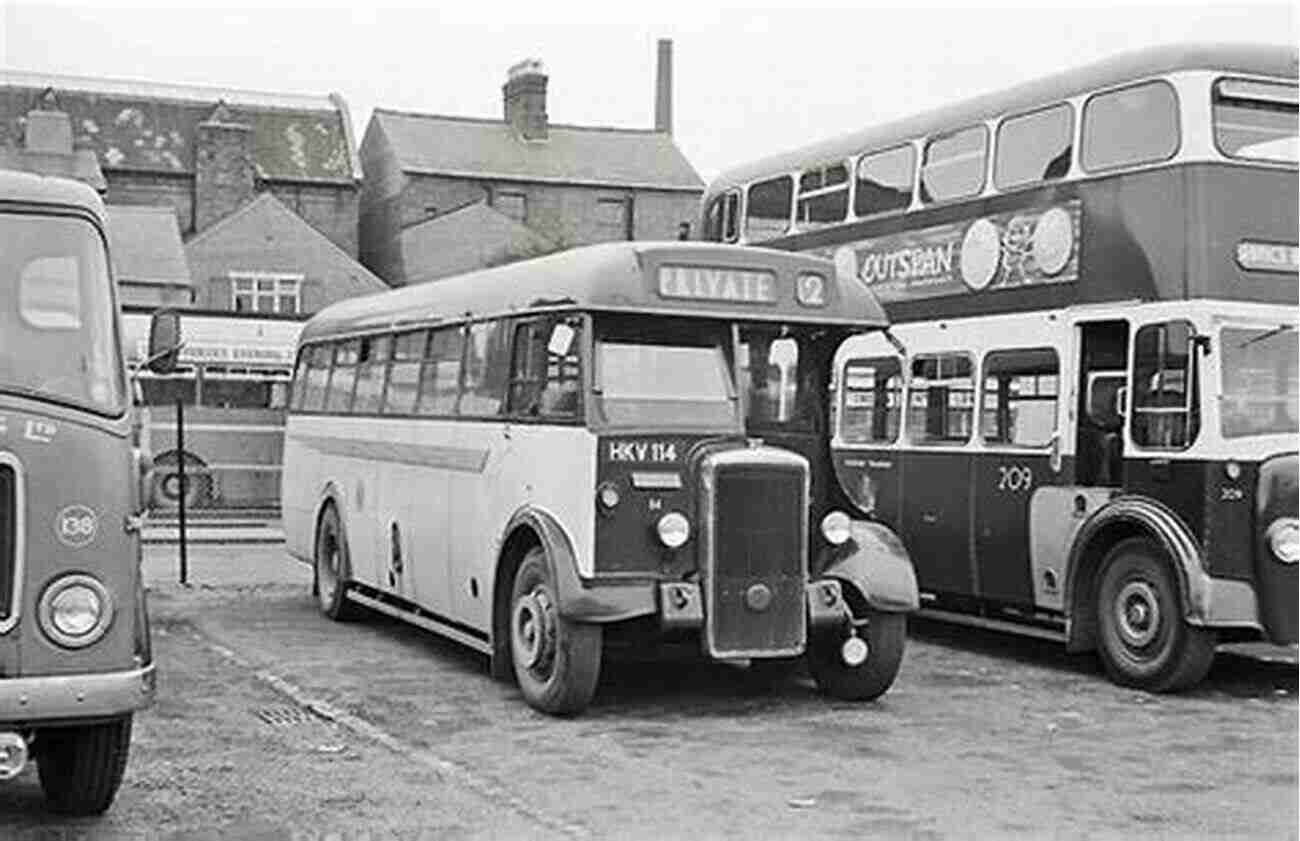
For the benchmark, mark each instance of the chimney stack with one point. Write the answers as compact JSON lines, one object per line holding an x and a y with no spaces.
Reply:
{"x":664,"y":88}
{"x":524,"y":99}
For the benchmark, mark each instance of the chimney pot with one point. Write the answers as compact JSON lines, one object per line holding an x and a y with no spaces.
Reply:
{"x":524,"y":99}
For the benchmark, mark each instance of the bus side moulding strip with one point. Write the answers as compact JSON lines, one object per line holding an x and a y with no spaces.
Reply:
{"x":415,"y":618}
{"x":875,"y":561}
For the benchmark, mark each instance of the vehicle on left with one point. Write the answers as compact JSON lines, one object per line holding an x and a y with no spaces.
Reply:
{"x":75,"y":660}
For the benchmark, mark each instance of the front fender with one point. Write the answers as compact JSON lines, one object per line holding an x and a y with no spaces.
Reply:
{"x":579,"y":600}
{"x":875,"y":562}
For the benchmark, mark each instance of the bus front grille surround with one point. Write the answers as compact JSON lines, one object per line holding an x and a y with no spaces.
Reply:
{"x":755,"y":526}
{"x":8,"y":539}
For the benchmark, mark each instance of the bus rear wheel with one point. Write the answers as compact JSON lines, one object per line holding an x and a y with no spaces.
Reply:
{"x":556,"y":660}
{"x":81,"y":768}
{"x":885,"y":636}
{"x":1145,"y":643}
{"x":333,"y":566}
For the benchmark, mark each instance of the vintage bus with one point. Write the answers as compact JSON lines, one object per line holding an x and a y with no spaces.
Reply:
{"x":75,"y":660}
{"x":623,"y":441}
{"x":233,"y":380}
{"x":1089,"y":431}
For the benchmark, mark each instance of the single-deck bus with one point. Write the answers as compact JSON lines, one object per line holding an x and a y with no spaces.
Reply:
{"x":233,"y":381}
{"x":1091,"y":433}
{"x":627,"y":440}
{"x":75,"y":661}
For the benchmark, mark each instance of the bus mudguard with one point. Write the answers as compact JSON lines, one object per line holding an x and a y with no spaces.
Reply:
{"x":581,"y":601}
{"x":1121,"y":517}
{"x":876,"y":563}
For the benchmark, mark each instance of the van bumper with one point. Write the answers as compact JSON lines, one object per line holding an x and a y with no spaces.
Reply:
{"x":53,"y":698}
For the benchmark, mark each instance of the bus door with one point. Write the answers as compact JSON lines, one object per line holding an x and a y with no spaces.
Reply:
{"x":937,"y":472}
{"x":1018,"y":425}
{"x":1103,"y":374}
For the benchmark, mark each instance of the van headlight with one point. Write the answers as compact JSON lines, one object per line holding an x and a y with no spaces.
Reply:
{"x":674,"y":529}
{"x":75,"y":611}
{"x":836,"y":528}
{"x":1284,"y":539}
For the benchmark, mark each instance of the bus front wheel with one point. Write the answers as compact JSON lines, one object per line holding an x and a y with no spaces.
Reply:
{"x":556,"y":660}
{"x":884,"y":636}
{"x":81,"y":768}
{"x":1144,"y":641}
{"x":333,"y":566}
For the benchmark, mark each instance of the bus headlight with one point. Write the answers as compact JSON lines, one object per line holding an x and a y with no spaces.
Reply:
{"x":75,"y":611}
{"x":1284,"y":539}
{"x":835,"y":528}
{"x":674,"y":529}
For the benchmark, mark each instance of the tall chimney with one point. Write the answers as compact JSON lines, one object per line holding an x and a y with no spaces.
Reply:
{"x":664,"y":88}
{"x":524,"y":99}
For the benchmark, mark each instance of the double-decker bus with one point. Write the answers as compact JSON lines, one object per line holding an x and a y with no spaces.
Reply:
{"x":625,"y":441}
{"x":1089,"y":431}
{"x":233,"y":381}
{"x":75,"y":660}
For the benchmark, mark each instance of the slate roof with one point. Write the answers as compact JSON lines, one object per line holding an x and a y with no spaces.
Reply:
{"x":464,"y":240}
{"x":265,"y":235}
{"x":153,"y":127}
{"x":480,"y":148}
{"x":145,"y":245}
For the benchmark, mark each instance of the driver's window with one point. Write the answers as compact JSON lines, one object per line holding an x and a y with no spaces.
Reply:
{"x":773,"y":389}
{"x":1166,"y":412}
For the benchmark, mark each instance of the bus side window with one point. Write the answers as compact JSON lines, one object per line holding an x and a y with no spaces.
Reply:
{"x":884,"y":181}
{"x":1166,"y":412}
{"x":371,"y":371}
{"x":318,"y":376}
{"x":300,"y":379}
{"x":440,"y":376}
{"x":941,"y":399}
{"x":872,"y":400}
{"x":767,"y":213}
{"x":1020,"y":392}
{"x":404,"y":373}
{"x":954,"y":165}
{"x":731,"y":216}
{"x":487,"y":368}
{"x":1034,"y":147}
{"x":545,"y":378}
{"x":338,"y":395}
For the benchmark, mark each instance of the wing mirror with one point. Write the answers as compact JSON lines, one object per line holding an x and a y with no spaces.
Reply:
{"x":164,"y":341}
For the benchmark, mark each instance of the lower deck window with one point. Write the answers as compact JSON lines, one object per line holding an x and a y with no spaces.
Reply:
{"x":941,"y":399}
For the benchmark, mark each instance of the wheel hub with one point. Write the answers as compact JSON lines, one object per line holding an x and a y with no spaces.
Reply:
{"x":534,"y":629}
{"x":1137,"y":611}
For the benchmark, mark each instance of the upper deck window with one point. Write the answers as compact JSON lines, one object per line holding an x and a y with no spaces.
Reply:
{"x":885,"y":181}
{"x":1130,"y":126}
{"x":954,"y":165}
{"x":767,"y":213}
{"x":823,"y":196}
{"x":1256,"y":120}
{"x":1034,"y":147}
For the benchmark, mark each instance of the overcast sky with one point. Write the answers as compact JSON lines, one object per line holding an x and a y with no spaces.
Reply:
{"x":748,"y":82}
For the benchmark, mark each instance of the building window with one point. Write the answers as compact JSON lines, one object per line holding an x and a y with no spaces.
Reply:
{"x":266,"y":292}
{"x":514,"y":205}
{"x":614,"y":217}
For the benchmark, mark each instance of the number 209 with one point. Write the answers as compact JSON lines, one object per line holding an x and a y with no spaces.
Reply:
{"x":1014,"y":478}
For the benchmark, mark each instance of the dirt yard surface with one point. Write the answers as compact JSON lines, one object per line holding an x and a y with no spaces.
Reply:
{"x":275,"y":723}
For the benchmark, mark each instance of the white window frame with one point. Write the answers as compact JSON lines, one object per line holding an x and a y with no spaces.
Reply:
{"x":283,"y":284}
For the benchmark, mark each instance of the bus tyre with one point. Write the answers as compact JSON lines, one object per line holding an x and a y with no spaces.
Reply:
{"x":333,"y":567}
{"x":81,"y":768}
{"x":1144,"y":641}
{"x":885,"y":635}
{"x":556,"y":660}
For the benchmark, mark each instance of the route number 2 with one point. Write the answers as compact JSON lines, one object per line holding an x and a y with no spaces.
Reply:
{"x":1015,"y":478}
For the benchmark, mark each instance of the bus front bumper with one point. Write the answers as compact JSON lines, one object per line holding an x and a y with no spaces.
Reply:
{"x":69,"y":698}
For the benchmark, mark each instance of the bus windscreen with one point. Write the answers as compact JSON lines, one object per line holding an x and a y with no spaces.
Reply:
{"x":57,"y":334}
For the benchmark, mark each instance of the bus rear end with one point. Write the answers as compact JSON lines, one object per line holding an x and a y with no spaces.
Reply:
{"x":75,"y":661}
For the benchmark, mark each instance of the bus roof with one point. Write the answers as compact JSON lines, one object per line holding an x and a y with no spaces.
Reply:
{"x":660,"y":278}
{"x":1254,"y":59}
{"x":26,"y":188}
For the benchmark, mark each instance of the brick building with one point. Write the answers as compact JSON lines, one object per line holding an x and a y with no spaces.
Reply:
{"x":207,"y":154}
{"x":439,"y":190}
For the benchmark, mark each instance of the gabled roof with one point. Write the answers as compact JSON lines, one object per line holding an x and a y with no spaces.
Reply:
{"x":264,"y":235}
{"x":153,"y":127}
{"x":469,"y":238}
{"x":145,"y":245}
{"x":434,"y":144}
